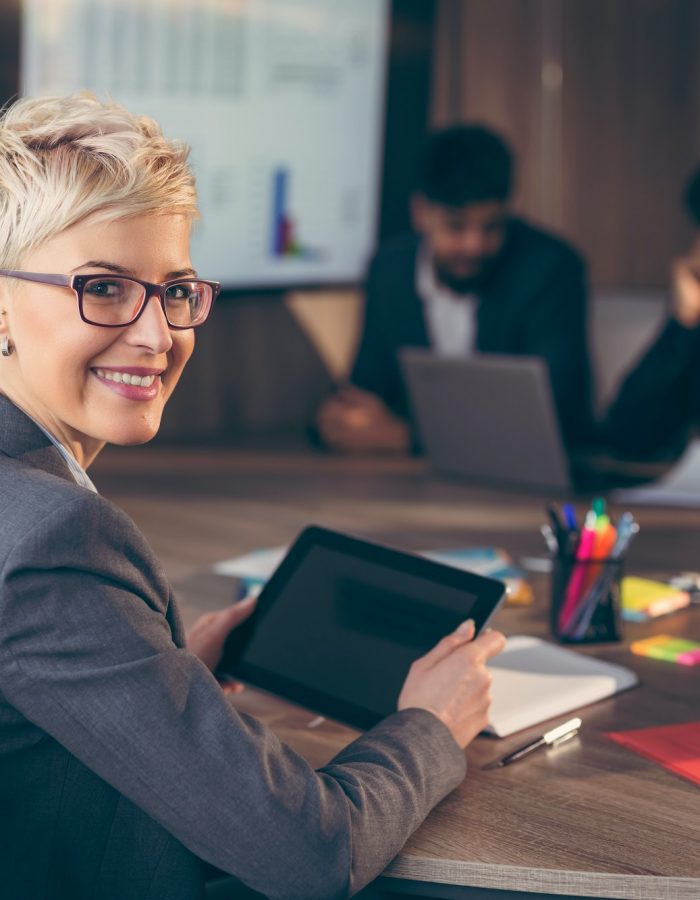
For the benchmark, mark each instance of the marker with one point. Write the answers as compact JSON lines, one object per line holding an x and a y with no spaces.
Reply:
{"x":554,"y":737}
{"x":578,"y":575}
{"x":627,"y":528}
{"x":570,"y":517}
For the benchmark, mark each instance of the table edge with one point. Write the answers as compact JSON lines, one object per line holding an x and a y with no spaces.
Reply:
{"x":615,"y":886}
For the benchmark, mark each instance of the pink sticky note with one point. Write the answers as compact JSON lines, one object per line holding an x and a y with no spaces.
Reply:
{"x":689,"y":658}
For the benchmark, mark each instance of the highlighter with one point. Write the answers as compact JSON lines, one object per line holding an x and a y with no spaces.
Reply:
{"x":578,"y":576}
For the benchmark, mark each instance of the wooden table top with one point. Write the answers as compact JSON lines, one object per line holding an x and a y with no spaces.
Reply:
{"x":586,"y":819}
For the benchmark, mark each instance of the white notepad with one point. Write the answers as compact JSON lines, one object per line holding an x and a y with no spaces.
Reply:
{"x":534,"y":680}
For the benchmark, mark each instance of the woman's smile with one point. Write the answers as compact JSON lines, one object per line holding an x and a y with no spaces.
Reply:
{"x":132,"y":382}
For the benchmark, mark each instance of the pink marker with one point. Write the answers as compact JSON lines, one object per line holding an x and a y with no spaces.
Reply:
{"x":585,"y":548}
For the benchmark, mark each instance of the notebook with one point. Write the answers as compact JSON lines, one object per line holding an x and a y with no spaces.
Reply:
{"x":534,"y":680}
{"x":675,"y":747}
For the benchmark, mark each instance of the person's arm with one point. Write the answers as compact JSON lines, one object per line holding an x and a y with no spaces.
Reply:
{"x":86,"y":653}
{"x":654,"y":406}
{"x":658,"y":400}
{"x":556,"y":331}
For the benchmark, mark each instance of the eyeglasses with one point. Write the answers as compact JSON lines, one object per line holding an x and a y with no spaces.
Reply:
{"x":113,"y":301}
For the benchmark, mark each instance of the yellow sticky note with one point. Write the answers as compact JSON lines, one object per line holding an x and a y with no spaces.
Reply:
{"x":643,"y":598}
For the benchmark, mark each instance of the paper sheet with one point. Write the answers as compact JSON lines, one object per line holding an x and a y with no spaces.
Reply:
{"x":675,"y":747}
{"x":255,"y":568}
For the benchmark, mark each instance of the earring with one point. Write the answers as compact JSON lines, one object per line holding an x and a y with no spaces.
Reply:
{"x":6,"y":347}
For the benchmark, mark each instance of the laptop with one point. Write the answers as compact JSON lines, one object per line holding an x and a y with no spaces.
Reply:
{"x":488,"y":418}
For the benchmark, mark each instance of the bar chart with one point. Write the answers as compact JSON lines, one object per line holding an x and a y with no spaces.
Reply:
{"x":285,"y":237}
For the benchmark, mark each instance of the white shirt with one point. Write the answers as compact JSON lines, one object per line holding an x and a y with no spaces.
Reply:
{"x":77,"y":471}
{"x":450,"y":317}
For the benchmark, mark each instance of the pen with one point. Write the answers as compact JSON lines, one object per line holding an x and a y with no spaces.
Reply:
{"x":556,"y":736}
{"x":550,"y":539}
{"x":557,"y":527}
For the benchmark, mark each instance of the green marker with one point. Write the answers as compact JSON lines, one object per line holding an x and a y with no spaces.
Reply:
{"x":598,"y":506}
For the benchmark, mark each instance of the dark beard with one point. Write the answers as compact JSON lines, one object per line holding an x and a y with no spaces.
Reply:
{"x":471,"y":285}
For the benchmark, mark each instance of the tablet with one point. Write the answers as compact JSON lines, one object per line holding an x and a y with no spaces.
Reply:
{"x":341,"y":620}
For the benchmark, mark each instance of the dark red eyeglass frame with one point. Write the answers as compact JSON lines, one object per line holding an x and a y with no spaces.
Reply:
{"x":77,"y":283}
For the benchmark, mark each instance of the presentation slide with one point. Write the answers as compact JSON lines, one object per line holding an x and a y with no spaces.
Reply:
{"x":281,"y":101}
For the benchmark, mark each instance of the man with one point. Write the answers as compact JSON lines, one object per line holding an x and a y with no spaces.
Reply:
{"x":660,"y":399}
{"x":473,"y":279}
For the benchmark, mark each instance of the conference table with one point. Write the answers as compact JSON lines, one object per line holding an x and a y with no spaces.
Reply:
{"x":586,"y":819}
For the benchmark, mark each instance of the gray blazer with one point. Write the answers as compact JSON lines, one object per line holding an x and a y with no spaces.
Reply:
{"x":122,"y":765}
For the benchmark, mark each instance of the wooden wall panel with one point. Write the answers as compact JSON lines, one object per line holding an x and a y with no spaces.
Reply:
{"x":600,"y":99}
{"x":408,"y":96}
{"x":630,"y":131}
{"x":487,"y":69}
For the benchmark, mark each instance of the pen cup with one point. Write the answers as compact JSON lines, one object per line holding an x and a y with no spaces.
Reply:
{"x":585,"y":600}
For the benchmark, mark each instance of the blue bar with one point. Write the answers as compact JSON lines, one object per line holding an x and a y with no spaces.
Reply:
{"x":279,"y":198}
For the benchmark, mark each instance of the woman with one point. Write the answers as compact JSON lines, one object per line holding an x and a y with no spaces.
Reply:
{"x":122,"y":766}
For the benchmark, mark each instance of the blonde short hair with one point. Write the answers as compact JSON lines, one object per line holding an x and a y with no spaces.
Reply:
{"x":63,"y":159}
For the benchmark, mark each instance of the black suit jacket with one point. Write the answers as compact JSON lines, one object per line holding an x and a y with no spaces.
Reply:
{"x":659,"y":400}
{"x":122,"y":765}
{"x":534,"y":304}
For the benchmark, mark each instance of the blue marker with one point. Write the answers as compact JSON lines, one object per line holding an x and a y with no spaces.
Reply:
{"x":570,"y":517}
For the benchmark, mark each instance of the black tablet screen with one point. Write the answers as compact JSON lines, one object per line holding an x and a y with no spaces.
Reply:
{"x":350,"y":628}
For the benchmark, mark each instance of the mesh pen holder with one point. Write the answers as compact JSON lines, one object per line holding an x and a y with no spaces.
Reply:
{"x":585,"y":600}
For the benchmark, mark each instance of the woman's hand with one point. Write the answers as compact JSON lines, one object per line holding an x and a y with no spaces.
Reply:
{"x":452,"y":681}
{"x":207,"y":636}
